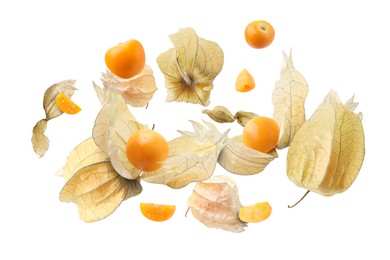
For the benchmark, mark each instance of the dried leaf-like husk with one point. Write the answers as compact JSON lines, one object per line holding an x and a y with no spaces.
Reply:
{"x":102,"y":93}
{"x":49,"y":99}
{"x":114,"y":125}
{"x":352,"y":105}
{"x":244,"y":117}
{"x":192,"y":157}
{"x":216,"y":204}
{"x":86,"y":153}
{"x":137,"y":91}
{"x":237,"y":158}
{"x":328,"y":151}
{"x":289,"y":98}
{"x":98,"y":190}
{"x":39,"y":140}
{"x":190,"y":67}
{"x":220,"y":114}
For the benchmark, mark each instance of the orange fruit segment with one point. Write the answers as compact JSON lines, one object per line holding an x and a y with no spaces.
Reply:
{"x":245,"y":81}
{"x":255,"y":213}
{"x":157,"y":212}
{"x":261,"y":133}
{"x":66,"y":105}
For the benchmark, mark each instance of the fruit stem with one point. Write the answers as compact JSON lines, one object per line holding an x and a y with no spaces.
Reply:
{"x":304,"y":195}
{"x":263,"y":27}
{"x":188,"y":209}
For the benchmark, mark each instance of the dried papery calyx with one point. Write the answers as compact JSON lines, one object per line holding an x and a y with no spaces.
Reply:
{"x":190,"y":67}
{"x":327,"y":152}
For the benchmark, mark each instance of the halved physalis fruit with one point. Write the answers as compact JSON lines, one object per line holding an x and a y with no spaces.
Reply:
{"x":245,"y":81}
{"x":66,"y":105}
{"x":255,"y":213}
{"x":157,"y":212}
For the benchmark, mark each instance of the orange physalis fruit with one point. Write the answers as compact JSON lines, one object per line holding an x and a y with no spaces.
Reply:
{"x":259,"y":34}
{"x":66,"y":105}
{"x":157,"y":212}
{"x":255,"y":213}
{"x":126,"y":59}
{"x":147,"y":150}
{"x":261,"y":133}
{"x":245,"y":81}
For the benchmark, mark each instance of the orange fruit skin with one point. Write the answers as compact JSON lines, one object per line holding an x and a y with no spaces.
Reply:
{"x":261,"y":134}
{"x":66,"y":105}
{"x":157,"y":212}
{"x":147,"y":150}
{"x":259,"y":34}
{"x":126,"y":59}
{"x":255,"y":213}
{"x":245,"y":81}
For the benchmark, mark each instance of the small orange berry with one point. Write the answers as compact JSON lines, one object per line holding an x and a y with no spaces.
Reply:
{"x":261,"y":133}
{"x":259,"y":34}
{"x":126,"y":59}
{"x":147,"y":150}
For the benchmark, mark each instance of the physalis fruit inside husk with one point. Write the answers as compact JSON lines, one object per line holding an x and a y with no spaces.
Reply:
{"x":64,"y":90}
{"x":236,"y":157}
{"x":192,"y":156}
{"x":99,"y":175}
{"x":327,"y":152}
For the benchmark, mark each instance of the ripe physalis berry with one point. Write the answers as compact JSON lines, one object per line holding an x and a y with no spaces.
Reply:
{"x":146,"y":150}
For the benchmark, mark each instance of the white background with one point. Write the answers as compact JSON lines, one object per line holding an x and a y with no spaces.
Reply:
{"x":336,"y":45}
